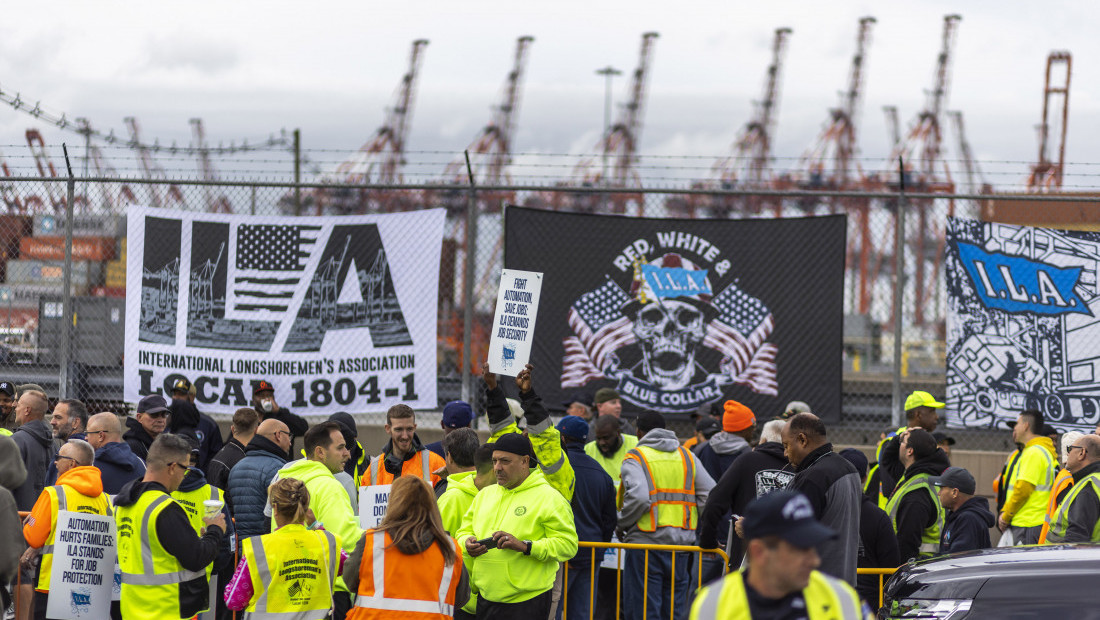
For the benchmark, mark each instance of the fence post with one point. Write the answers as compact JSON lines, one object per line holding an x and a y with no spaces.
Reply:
{"x":468,"y":283}
{"x":297,"y":172}
{"x":899,"y":296}
{"x":66,"y":285}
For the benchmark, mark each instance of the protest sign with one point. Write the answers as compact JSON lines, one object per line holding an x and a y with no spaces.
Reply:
{"x":373,"y":501}
{"x":514,"y":322}
{"x":83,"y":572}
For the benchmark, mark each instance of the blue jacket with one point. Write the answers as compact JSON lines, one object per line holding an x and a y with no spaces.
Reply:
{"x":593,"y":503}
{"x":967,"y":527}
{"x":720,"y":451}
{"x":246,"y":492}
{"x":118,"y":465}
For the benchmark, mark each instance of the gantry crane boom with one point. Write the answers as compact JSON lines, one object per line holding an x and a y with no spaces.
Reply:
{"x":975,"y":181}
{"x":1047,"y":175}
{"x":214,"y":204}
{"x":380,"y":159}
{"x":491,"y":151}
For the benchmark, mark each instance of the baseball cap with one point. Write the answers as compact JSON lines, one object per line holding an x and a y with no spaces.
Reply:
{"x":921,"y":399}
{"x":153,"y":403}
{"x":956,"y":478}
{"x":737,"y":417}
{"x":942,"y":437}
{"x":794,"y":407}
{"x":8,"y":388}
{"x":574,"y":427}
{"x":516,"y":443}
{"x":788,"y":515}
{"x":707,"y":426}
{"x":856,"y":458}
{"x":457,"y":414}
{"x":605,"y":394}
{"x":262,"y":386}
{"x":182,"y":385}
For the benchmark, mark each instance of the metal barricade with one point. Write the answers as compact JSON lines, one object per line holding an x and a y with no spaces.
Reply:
{"x":882,"y":573}
{"x":593,"y":546}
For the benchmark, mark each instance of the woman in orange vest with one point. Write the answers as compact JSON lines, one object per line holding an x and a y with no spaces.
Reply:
{"x":408,"y":567}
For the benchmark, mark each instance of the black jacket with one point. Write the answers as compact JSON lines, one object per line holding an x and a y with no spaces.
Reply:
{"x":878,"y":548}
{"x":833,"y":487}
{"x":753,"y":474}
{"x":35,"y":441}
{"x":179,"y":539}
{"x":917,"y":510}
{"x":217,"y":472}
{"x":593,"y":504}
{"x":967,"y":527}
{"x":137,"y":438}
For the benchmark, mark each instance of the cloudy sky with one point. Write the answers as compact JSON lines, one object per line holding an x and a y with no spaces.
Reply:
{"x":330,"y":68}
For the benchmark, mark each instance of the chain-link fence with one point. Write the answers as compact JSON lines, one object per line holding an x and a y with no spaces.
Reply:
{"x":71,"y":339}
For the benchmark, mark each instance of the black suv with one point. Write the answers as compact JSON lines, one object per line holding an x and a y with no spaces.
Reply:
{"x":1049,"y":581}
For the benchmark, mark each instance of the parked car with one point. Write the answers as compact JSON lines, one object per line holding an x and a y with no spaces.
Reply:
{"x":1050,"y":581}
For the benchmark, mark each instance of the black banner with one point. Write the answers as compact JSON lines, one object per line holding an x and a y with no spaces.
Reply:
{"x":677,"y":313}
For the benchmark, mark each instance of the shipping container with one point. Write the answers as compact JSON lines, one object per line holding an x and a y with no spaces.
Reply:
{"x":109,"y":291}
{"x":83,"y":225}
{"x":98,"y":330}
{"x":84,"y":273}
{"x":26,"y":296}
{"x":116,"y":274}
{"x":53,"y":248}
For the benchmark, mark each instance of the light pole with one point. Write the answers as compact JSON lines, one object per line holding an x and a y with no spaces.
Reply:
{"x":608,"y":73}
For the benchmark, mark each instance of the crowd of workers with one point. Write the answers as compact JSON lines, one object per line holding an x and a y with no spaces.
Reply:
{"x":492,"y":530}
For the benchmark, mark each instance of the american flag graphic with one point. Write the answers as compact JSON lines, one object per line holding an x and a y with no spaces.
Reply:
{"x":739,"y":333}
{"x":269,"y":266}
{"x":600,"y":328}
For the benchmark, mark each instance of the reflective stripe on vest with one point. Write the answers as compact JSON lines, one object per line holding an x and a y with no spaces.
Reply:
{"x":99,"y":505}
{"x":684,"y":496}
{"x":377,"y":599}
{"x":424,"y":466}
{"x":259,"y":611}
{"x":727,"y":599}
{"x":1062,"y":481}
{"x":1051,"y":465}
{"x":149,"y":576}
{"x":930,"y":537}
{"x":1059,"y":526}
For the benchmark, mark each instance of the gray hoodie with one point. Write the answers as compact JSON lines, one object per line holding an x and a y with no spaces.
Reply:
{"x":636,"y":494}
{"x":12,"y":474}
{"x":35,"y":441}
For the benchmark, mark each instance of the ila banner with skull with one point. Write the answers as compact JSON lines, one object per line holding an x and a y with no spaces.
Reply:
{"x":675,"y":314}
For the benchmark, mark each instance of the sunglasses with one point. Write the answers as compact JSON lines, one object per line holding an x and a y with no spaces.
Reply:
{"x":95,"y":432}
{"x":57,"y":459}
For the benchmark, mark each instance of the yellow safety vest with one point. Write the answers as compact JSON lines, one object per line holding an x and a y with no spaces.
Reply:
{"x":827,"y":598}
{"x":1059,"y":526}
{"x":671,"y":480}
{"x":64,"y":497}
{"x":930,"y":537}
{"x":5,"y":432}
{"x":293,"y":573}
{"x":151,"y":577}
{"x":881,"y":499}
{"x":191,"y":502}
{"x":1033,"y":511}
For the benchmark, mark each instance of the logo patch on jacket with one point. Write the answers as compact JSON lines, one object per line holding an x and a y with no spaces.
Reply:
{"x":522,"y":510}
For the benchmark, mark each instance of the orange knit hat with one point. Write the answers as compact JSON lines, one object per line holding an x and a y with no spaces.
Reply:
{"x":737,"y":417}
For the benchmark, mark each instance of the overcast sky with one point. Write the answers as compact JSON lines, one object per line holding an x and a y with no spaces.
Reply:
{"x":330,"y":68}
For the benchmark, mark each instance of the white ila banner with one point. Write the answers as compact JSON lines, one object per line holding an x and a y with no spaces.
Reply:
{"x":338,"y":313}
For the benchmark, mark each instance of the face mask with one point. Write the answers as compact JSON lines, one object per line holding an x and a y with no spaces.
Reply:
{"x":268,"y":406}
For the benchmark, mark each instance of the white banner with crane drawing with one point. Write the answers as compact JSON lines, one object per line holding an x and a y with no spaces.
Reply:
{"x":1022,"y":325}
{"x":338,"y":313}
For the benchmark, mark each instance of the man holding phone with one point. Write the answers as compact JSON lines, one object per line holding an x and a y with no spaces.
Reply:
{"x":516,"y":532}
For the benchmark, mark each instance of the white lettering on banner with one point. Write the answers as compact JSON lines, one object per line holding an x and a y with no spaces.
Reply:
{"x":373,"y":501}
{"x":514,"y":322}
{"x":328,"y":309}
{"x":84,"y":566}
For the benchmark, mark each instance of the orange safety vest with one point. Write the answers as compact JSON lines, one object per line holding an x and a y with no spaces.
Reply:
{"x":1062,"y":481}
{"x":379,"y":475}
{"x":671,"y":489}
{"x":405,"y":587}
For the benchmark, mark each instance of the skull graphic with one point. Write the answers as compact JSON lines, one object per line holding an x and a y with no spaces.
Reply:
{"x":669,"y":333}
